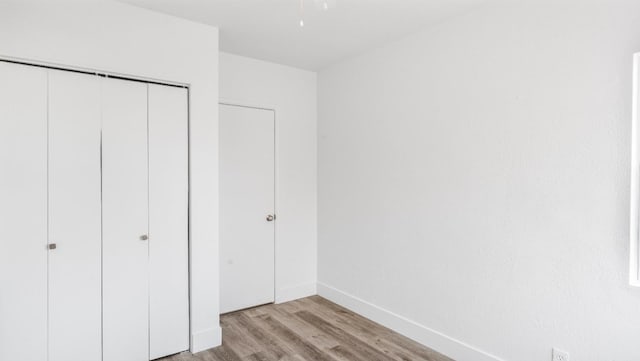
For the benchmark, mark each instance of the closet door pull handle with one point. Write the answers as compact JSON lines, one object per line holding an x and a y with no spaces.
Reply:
{"x":144,"y":237}
{"x":52,"y":246}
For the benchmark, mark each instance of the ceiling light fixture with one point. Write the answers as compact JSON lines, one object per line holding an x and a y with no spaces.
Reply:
{"x":323,"y":5}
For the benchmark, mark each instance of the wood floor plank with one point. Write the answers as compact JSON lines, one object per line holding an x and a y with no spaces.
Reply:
{"x":360,"y":329}
{"x":238,"y":341}
{"x":223,"y":354}
{"x":302,"y":347}
{"x":343,"y":354}
{"x":423,"y":352}
{"x":311,"y":334}
{"x":309,"y":329}
{"x":258,"y":356}
{"x":289,"y":319}
{"x":354,"y":344}
{"x":272,"y":346}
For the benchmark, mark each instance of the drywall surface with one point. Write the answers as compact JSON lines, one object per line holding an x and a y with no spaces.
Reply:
{"x":119,"y":38}
{"x":474,"y":180}
{"x":292,"y":93}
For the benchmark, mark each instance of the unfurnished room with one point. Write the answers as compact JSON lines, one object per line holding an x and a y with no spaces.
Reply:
{"x":319,"y":180}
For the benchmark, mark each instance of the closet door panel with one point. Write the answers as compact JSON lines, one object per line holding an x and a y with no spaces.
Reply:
{"x":74,"y":217}
{"x":23,"y":213}
{"x":125,"y":221}
{"x":168,"y":221}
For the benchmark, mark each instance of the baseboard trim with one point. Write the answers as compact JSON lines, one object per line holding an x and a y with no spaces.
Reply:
{"x":206,"y":339}
{"x":296,"y":292}
{"x":438,"y":341}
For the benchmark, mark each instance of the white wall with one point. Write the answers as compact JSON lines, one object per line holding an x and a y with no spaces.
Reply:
{"x":634,"y":226}
{"x":474,"y":179}
{"x":119,"y":38}
{"x":292,"y":93}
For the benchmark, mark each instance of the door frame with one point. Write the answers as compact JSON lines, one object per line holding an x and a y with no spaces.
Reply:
{"x":140,"y":79}
{"x":249,"y":105}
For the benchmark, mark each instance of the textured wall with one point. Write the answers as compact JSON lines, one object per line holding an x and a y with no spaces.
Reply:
{"x":474,"y":178}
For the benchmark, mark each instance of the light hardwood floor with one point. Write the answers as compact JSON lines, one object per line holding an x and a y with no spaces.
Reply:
{"x":311,"y":329}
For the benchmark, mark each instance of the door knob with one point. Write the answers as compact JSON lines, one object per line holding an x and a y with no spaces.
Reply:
{"x":271,"y":218}
{"x":144,"y":237}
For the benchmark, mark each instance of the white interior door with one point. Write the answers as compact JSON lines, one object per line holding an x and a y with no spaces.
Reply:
{"x":246,"y":200}
{"x":125,"y":251}
{"x":23,"y":213}
{"x":168,"y":221}
{"x":75,"y":326}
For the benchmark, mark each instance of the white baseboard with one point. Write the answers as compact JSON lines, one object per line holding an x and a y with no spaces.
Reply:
{"x":293,"y":293}
{"x":206,"y":339}
{"x":438,"y":341}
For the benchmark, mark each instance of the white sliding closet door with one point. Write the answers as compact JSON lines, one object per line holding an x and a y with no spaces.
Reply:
{"x":125,"y":221}
{"x":74,"y":217}
{"x":168,"y":221}
{"x":23,"y":213}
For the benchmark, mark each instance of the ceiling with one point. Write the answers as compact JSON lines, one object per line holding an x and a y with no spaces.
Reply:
{"x":270,"y":30}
